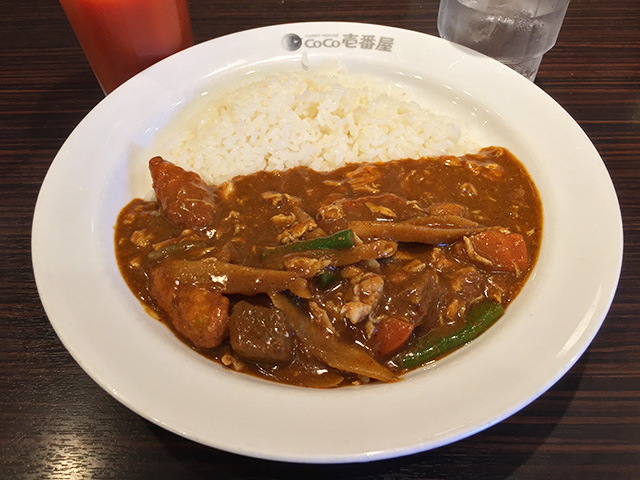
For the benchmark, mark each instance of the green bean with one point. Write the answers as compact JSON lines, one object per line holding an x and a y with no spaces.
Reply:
{"x":339,"y":240}
{"x":327,"y":277}
{"x":481,"y":317}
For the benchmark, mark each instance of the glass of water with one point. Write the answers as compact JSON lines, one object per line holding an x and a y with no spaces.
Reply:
{"x":515,"y":32}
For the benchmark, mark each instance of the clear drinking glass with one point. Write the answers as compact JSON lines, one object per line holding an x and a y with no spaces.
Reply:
{"x":515,"y":32}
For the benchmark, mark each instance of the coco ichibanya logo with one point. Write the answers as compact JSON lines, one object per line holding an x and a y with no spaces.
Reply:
{"x":293,"y":42}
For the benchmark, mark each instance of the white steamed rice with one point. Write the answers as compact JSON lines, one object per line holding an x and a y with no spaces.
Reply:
{"x":321,"y":118}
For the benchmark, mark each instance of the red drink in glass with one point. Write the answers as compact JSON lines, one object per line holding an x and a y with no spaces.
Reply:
{"x":123,"y":37}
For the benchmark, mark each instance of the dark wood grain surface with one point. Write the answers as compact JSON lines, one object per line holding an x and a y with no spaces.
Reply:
{"x":55,"y":422}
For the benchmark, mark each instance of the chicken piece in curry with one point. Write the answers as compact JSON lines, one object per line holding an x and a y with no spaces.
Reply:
{"x":325,"y":279}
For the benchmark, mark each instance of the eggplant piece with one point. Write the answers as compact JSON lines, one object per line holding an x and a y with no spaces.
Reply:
{"x":260,"y":333}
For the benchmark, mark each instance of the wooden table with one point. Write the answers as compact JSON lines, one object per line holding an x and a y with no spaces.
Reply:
{"x":55,"y":422}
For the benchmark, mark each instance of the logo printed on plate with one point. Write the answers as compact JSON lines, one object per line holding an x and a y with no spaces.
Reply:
{"x":293,"y":41}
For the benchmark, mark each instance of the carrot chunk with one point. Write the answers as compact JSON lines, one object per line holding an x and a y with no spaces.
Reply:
{"x":391,"y":334}
{"x":504,"y":252}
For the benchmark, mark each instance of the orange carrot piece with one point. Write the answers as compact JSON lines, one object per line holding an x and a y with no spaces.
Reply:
{"x":391,"y":334}
{"x":506,"y":251}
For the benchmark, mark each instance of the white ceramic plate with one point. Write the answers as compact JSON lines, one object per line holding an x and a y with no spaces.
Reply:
{"x":140,"y":362}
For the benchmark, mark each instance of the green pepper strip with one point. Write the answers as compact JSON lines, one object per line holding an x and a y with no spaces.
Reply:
{"x":341,"y":239}
{"x":481,"y":317}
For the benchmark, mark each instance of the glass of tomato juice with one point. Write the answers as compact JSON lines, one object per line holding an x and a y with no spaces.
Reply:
{"x":123,"y":37}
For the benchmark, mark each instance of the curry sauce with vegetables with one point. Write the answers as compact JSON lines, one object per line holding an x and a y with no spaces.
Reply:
{"x":324,"y":279}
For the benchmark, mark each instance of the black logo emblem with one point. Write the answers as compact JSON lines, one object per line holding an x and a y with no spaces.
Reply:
{"x":291,"y":42}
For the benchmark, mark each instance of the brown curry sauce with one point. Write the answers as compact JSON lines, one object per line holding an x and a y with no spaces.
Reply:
{"x":425,"y":287}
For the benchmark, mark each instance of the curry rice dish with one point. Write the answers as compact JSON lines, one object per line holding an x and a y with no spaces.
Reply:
{"x":341,"y":277}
